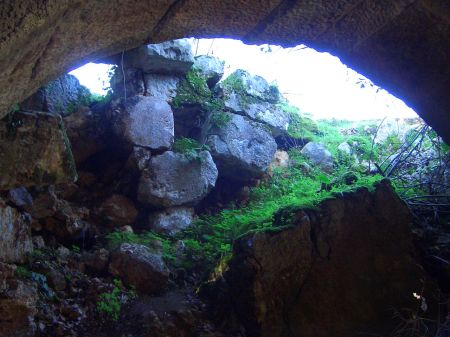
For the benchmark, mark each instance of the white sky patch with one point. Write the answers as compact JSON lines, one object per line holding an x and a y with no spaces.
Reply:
{"x":94,"y":76}
{"x":317,"y":83}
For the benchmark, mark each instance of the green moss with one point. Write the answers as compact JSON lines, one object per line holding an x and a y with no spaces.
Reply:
{"x":110,"y":303}
{"x":149,"y":238}
{"x":299,"y":126}
{"x":192,"y":90}
{"x":233,"y":84}
{"x":219,"y":119}
{"x":189,"y":147}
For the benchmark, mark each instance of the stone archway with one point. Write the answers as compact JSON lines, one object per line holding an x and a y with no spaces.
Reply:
{"x":403,"y":45}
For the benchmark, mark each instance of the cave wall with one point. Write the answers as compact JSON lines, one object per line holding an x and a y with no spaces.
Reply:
{"x":402,"y":45}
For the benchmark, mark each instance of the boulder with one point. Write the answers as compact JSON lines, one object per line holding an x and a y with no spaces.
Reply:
{"x":270,"y":114}
{"x":145,"y":121}
{"x":161,"y":86}
{"x":318,"y":155}
{"x":210,"y":67}
{"x":339,"y":271}
{"x":345,"y":148}
{"x":171,"y":57}
{"x":172,"y":179}
{"x":247,"y":88}
{"x":61,"y":96}
{"x":242,"y":148}
{"x":118,"y":210}
{"x":139,"y":267}
{"x":34,"y":150}
{"x":15,"y":238}
{"x":171,"y":220}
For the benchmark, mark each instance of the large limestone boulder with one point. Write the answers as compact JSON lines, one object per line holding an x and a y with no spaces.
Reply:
{"x":34,"y":150}
{"x":171,"y":220}
{"x":339,"y":271}
{"x":247,"y":88}
{"x":15,"y":238}
{"x":139,"y":267}
{"x":161,"y":86}
{"x":251,"y":96}
{"x":270,"y":114}
{"x":242,"y":148}
{"x":61,"y":96}
{"x":211,"y":68}
{"x":172,"y":179}
{"x":318,"y":155}
{"x":170,"y":57}
{"x":145,"y":121}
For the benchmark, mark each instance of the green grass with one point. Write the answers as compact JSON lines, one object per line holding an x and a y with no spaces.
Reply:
{"x":189,"y":147}
{"x":212,"y":237}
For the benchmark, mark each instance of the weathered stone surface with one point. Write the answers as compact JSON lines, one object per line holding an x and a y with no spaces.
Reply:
{"x":146,"y":121}
{"x":318,"y":155}
{"x":161,"y":86}
{"x":137,"y":266}
{"x":211,"y":68}
{"x":173,"y":180}
{"x":15,"y":238}
{"x":345,"y":148}
{"x":379,"y":39}
{"x":171,"y":57}
{"x":355,"y":251}
{"x":249,"y":87}
{"x":118,"y":210}
{"x":271,"y":115}
{"x":17,"y":305}
{"x":34,"y":150}
{"x":241,"y":148}
{"x":61,"y":96}
{"x":171,"y":220}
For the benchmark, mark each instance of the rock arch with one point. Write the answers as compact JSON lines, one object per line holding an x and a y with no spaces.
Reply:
{"x":403,"y":45}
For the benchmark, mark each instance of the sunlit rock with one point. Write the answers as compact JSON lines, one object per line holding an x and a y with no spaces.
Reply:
{"x":242,"y":148}
{"x":145,"y":121}
{"x":172,"y":179}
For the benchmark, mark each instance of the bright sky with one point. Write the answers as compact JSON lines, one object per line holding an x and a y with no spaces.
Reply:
{"x":317,"y":83}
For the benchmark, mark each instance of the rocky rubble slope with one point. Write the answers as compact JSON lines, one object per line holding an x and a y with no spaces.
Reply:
{"x":100,"y":255}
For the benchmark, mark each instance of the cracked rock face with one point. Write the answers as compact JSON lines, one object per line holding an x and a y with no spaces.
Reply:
{"x":173,"y":180}
{"x":242,"y":148}
{"x":314,"y":279}
{"x":147,"y":122}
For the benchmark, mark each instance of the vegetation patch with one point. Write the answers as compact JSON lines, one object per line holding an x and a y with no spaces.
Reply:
{"x":110,"y":303}
{"x":189,"y":147}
